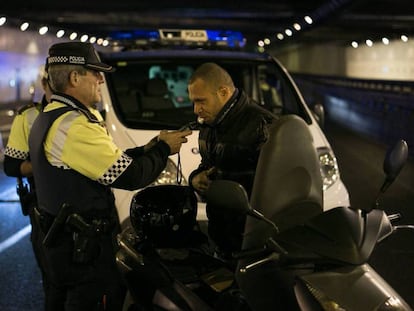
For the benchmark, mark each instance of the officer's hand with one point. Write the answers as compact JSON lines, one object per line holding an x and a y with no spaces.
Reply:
{"x":26,"y":168}
{"x":201,"y":181}
{"x":174,"y":139}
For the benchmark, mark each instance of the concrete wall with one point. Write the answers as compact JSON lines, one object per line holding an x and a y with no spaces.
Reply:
{"x":314,"y":59}
{"x":388,"y":62}
{"x":385,"y":62}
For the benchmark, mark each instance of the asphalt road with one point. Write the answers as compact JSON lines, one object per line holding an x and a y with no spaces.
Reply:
{"x":360,"y":161}
{"x":20,"y":280}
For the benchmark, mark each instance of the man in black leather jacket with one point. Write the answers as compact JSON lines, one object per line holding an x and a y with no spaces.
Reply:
{"x":233,"y":129}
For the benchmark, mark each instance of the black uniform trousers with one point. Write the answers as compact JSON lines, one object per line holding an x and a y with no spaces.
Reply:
{"x":28,"y":203}
{"x":93,"y":284}
{"x":35,"y":237}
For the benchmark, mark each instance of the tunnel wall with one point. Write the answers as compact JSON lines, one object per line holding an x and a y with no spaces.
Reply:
{"x":382,"y":110}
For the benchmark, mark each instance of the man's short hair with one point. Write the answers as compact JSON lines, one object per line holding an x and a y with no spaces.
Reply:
{"x":213,"y":75}
{"x":59,"y":76}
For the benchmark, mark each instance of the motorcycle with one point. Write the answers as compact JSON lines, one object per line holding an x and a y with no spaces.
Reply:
{"x":294,"y":256}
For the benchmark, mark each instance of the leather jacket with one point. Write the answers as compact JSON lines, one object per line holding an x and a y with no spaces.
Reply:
{"x":232,"y":143}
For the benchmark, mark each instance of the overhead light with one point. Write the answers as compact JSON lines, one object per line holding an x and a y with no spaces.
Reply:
{"x":24,"y":26}
{"x":261,"y":49}
{"x":280,"y":36}
{"x":404,"y":38}
{"x":92,"y":40}
{"x":288,"y":32}
{"x":369,"y":42}
{"x":308,"y":19}
{"x":60,"y":33}
{"x":354,"y":44}
{"x":266,"y":41}
{"x":386,"y":41}
{"x":2,"y":20}
{"x":43,"y":30}
{"x":84,"y":38}
{"x":100,"y":41}
{"x":73,"y":36}
{"x":105,"y":43}
{"x":260,"y":43}
{"x":297,"y":26}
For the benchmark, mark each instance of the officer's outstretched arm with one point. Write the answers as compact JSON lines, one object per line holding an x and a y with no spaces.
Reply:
{"x":144,"y":169}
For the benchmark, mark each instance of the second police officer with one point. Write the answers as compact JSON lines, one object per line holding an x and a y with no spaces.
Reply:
{"x":17,"y":164}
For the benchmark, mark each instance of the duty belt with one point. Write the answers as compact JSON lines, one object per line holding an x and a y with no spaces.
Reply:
{"x":69,"y":220}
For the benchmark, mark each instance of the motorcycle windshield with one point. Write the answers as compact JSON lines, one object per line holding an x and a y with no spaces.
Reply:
{"x":349,"y":288}
{"x":340,"y":234}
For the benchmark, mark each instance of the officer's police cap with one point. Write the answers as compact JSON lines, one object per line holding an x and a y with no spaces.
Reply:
{"x":76,"y":53}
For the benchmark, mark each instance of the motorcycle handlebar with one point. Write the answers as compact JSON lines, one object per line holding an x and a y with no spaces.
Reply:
{"x":404,"y":227}
{"x":250,"y":253}
{"x":270,"y":246}
{"x":286,"y":259}
{"x":394,"y":217}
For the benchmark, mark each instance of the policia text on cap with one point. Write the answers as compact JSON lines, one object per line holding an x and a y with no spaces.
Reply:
{"x":75,"y":162}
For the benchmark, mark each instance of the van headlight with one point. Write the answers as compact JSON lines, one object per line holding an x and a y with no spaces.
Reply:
{"x":329,"y":167}
{"x":170,"y":175}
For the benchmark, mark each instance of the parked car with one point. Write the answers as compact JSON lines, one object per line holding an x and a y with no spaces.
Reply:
{"x":148,"y":93}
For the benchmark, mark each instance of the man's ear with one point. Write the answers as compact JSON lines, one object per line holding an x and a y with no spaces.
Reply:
{"x":223,"y":91}
{"x":73,"y":77}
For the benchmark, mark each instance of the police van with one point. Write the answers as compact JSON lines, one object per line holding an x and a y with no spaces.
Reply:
{"x":148,"y":93}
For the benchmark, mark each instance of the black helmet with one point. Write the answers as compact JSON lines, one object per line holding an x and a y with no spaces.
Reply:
{"x":165,"y":215}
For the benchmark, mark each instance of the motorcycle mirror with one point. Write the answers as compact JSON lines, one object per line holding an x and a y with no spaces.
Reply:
{"x":394,"y":161}
{"x":231,"y":196}
{"x":228,"y":195}
{"x":319,"y":113}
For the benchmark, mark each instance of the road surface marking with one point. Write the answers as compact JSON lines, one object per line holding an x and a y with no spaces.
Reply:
{"x":10,"y":194}
{"x":15,"y":238}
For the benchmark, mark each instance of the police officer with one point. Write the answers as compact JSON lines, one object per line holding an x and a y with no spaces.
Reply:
{"x":16,"y":160}
{"x":75,"y":162}
{"x":17,"y":163}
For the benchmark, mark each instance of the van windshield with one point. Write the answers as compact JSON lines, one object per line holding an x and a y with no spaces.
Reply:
{"x":152,"y":93}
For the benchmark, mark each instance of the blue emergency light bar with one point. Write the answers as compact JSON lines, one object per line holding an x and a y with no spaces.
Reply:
{"x":135,"y":34}
{"x":198,"y":37}
{"x":233,"y":38}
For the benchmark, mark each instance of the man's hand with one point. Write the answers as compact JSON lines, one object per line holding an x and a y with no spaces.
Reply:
{"x":174,"y":139}
{"x":151,"y":143}
{"x":201,"y":181}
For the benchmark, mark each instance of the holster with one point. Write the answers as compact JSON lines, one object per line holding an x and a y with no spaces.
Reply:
{"x":53,"y":226}
{"x":26,"y":196}
{"x":85,"y":232}
{"x":86,"y":237}
{"x":85,"y":248}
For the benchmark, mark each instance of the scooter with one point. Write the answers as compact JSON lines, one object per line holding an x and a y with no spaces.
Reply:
{"x":166,"y":258}
{"x":295,"y":256}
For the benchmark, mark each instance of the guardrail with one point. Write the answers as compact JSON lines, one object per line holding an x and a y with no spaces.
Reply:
{"x":380,"y":109}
